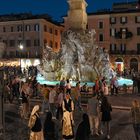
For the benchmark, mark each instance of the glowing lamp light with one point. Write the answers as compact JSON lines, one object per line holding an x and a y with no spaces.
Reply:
{"x":21,"y":46}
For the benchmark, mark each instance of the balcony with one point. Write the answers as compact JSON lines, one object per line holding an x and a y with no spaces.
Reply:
{"x":126,"y":52}
{"x":123,"y":35}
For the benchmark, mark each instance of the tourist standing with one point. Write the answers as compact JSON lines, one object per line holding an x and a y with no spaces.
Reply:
{"x":7,"y":93}
{"x":106,"y":114}
{"x":52,"y":103}
{"x":15,"y":89}
{"x":77,"y":96}
{"x":67,"y":125}
{"x":116,"y":85}
{"x":93,"y":111}
{"x":104,"y":87}
{"x":62,"y":84}
{"x":59,"y":104}
{"x":84,"y":88}
{"x":35,"y":125}
{"x":25,"y":102}
{"x":135,"y":110}
{"x":45,"y":92}
{"x":134,"y":78}
{"x":97,"y":86}
{"x":83,"y":130}
{"x":68,"y":86}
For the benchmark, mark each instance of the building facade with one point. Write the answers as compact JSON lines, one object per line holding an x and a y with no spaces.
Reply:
{"x":32,"y":32}
{"x":125,"y":39}
{"x":118,"y":31}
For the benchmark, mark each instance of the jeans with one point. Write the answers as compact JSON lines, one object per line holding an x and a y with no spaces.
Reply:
{"x":53,"y":109}
{"x":45,"y":105}
{"x":78,"y":103}
{"x":94,"y":123}
{"x":59,"y":113}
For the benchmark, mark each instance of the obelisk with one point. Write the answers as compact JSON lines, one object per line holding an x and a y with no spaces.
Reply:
{"x":77,"y":16}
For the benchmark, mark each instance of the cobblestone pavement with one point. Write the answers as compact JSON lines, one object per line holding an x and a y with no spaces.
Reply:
{"x":121,"y":128}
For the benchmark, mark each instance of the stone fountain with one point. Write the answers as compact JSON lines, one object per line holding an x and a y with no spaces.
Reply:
{"x":79,"y":57}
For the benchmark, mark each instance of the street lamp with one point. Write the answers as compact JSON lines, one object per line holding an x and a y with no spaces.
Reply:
{"x":21,"y":48}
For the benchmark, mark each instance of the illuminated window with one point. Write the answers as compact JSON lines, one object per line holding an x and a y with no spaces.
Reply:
{"x":123,"y":20}
{"x":137,"y":19}
{"x":36,"y":27}
{"x":112,"y":31}
{"x":19,"y":28}
{"x":123,"y":47}
{"x":113,"y":20}
{"x":112,"y":47}
{"x":27,"y":28}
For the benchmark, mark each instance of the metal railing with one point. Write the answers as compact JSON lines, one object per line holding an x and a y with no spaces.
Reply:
{"x":125,"y":52}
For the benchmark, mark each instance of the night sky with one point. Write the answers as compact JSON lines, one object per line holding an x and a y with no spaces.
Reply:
{"x":55,"y":8}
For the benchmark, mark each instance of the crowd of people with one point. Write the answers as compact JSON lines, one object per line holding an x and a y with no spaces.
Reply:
{"x":59,"y":102}
{"x":61,"y":105}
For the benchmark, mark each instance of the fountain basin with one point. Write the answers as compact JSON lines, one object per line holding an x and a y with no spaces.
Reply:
{"x":121,"y":81}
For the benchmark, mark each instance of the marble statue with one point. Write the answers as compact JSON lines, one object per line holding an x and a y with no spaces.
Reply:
{"x":79,"y":57}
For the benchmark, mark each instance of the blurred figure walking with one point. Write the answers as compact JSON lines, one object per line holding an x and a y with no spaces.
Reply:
{"x":83,"y":130}
{"x":135,"y":111}
{"x":106,"y":114}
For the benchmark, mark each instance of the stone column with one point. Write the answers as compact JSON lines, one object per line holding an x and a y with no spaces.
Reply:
{"x":77,"y":16}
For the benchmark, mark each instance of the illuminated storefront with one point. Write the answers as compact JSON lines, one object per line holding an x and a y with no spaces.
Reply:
{"x":17,"y":62}
{"x":119,"y":64}
{"x":29,"y":62}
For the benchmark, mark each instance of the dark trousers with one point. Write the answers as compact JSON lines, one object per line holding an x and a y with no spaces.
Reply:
{"x":138,"y":88}
{"x":59,"y":112}
{"x":68,"y":91}
{"x":137,"y":131}
{"x":15,"y":94}
{"x":112,"y":91}
{"x":116,"y":90}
